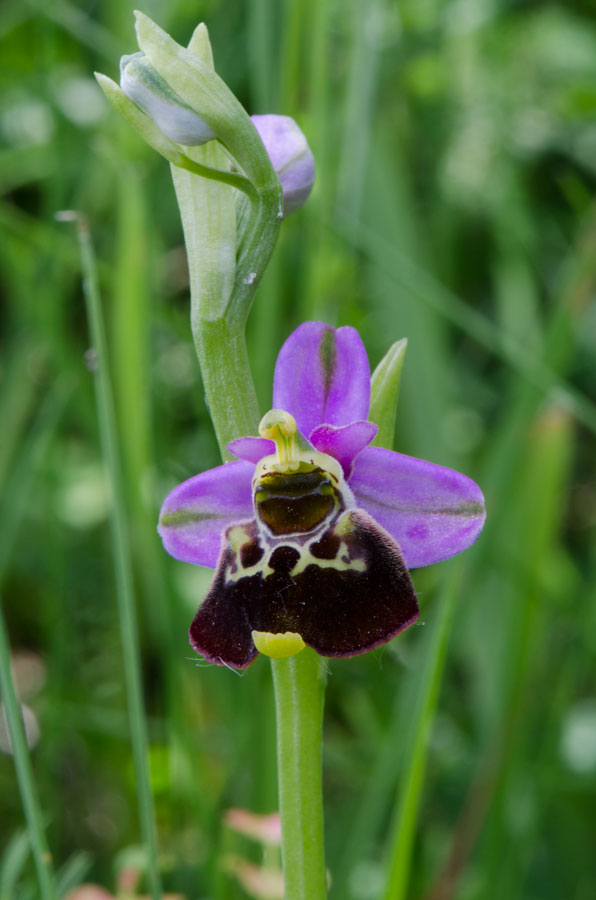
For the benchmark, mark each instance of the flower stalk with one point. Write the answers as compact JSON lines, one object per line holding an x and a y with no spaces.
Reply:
{"x":299,"y":683}
{"x":313,"y":546}
{"x":225,"y":268}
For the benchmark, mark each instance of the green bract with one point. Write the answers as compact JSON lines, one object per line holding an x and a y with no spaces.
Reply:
{"x":192,"y":78}
{"x":384,"y":393}
{"x":140,"y":82}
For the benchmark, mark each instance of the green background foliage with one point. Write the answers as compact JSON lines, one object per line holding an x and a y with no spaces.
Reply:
{"x":456,"y":167}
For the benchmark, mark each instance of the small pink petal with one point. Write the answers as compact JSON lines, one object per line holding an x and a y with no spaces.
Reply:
{"x":89,"y":892}
{"x":345,"y":442}
{"x":266,"y":829}
{"x":252,"y":449}
{"x":258,"y":881}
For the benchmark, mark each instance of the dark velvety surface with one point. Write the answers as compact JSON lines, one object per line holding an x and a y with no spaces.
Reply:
{"x":338,"y":612}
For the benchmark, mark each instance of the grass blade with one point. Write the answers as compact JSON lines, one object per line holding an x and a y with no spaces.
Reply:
{"x":121,"y":553}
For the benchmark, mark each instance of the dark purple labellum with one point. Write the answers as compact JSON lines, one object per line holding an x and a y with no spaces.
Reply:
{"x":345,"y":592}
{"x":309,"y":564}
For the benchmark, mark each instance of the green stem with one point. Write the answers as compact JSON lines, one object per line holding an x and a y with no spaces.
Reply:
{"x":229,"y":241}
{"x":229,"y":178}
{"x":226,"y":260}
{"x":122,"y":559}
{"x":22,"y":762}
{"x":299,"y":691}
{"x":416,"y":742}
{"x":227,"y":380}
{"x":256,"y":246}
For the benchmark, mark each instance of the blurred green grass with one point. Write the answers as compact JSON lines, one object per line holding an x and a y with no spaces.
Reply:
{"x":456,"y":154}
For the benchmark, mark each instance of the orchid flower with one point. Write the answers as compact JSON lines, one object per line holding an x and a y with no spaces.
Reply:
{"x":311,"y":531}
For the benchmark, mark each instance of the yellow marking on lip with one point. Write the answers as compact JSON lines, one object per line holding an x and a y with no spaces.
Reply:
{"x":278,"y":646}
{"x":261,"y":568}
{"x":307,"y":559}
{"x":237,"y":535}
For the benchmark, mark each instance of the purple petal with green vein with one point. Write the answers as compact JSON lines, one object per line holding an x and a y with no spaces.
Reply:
{"x":431,"y":511}
{"x":196,"y":513}
{"x":322,"y":375}
{"x":345,"y":442}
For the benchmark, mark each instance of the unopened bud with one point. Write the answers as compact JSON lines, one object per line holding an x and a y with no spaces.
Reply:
{"x":290,"y":156}
{"x":142,"y":84}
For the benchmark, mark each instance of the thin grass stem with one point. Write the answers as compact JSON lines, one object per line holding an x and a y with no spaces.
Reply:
{"x":122,"y":557}
{"x":22,"y":763}
{"x":414,"y":766}
{"x":14,"y":503}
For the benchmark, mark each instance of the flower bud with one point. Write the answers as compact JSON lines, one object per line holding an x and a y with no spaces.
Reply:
{"x":290,"y":156}
{"x":142,"y":84}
